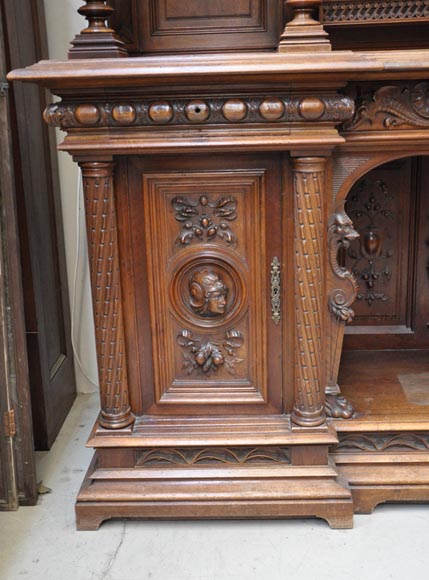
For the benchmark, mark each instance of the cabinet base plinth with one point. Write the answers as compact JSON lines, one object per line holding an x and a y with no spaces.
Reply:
{"x":220,"y":492}
{"x":377,"y":478}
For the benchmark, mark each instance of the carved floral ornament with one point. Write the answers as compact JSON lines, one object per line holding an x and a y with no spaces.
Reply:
{"x":205,"y":219}
{"x":271,"y":109}
{"x":372,"y":212}
{"x":391,"y":107}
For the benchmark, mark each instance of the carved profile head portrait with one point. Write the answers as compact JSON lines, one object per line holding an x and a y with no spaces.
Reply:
{"x":208,"y":293}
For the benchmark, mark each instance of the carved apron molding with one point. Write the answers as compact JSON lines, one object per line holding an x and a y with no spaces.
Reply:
{"x":234,"y":111}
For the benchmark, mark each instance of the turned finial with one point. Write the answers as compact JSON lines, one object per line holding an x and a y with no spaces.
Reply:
{"x":97,"y":40}
{"x":96,"y":13}
{"x":304,"y":33}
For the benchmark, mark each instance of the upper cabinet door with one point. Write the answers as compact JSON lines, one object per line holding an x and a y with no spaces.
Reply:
{"x":150,"y":26}
{"x":206,"y":234}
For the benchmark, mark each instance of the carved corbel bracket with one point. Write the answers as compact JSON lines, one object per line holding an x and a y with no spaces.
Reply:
{"x":340,"y":234}
{"x":343,"y":291}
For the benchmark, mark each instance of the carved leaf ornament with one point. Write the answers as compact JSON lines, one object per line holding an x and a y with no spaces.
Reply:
{"x":392,"y":107}
{"x":204,"y":220}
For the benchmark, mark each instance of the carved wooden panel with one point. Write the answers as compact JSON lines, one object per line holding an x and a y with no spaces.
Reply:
{"x":198,"y":25}
{"x":170,"y":26}
{"x":375,"y":12}
{"x":192,"y":456}
{"x":206,"y":230}
{"x":380,"y":207}
{"x":381,"y":442}
{"x":376,"y":25}
{"x":389,"y":209}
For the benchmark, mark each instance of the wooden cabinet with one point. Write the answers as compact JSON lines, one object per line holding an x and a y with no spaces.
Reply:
{"x":238,"y":203}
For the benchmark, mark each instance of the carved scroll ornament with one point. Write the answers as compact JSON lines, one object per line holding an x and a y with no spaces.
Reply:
{"x":392,"y":107}
{"x":341,"y":233}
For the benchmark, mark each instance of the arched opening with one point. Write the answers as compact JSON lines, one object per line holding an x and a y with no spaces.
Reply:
{"x":384,"y":369}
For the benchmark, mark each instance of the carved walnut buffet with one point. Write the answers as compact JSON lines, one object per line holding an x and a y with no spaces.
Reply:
{"x":224,"y":266}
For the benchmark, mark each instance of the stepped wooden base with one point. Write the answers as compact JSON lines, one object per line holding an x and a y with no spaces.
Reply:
{"x":378,"y":478}
{"x":237,"y":492}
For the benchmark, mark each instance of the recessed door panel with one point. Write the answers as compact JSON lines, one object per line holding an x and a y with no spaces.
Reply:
{"x":210,"y":233}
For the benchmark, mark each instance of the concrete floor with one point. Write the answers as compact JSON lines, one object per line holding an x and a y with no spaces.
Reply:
{"x":41,"y":543}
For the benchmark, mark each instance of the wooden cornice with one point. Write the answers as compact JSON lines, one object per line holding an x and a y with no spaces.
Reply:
{"x":205,"y":70}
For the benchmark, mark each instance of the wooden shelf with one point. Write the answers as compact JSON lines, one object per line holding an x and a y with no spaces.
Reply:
{"x":389,"y":389}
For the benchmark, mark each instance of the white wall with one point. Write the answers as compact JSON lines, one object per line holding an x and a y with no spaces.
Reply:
{"x":63,"y":23}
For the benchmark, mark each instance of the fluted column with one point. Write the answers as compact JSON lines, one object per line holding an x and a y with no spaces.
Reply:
{"x":309,"y":179}
{"x":103,"y":251}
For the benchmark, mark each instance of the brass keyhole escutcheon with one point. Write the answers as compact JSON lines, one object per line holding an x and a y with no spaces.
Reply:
{"x":275,"y":290}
